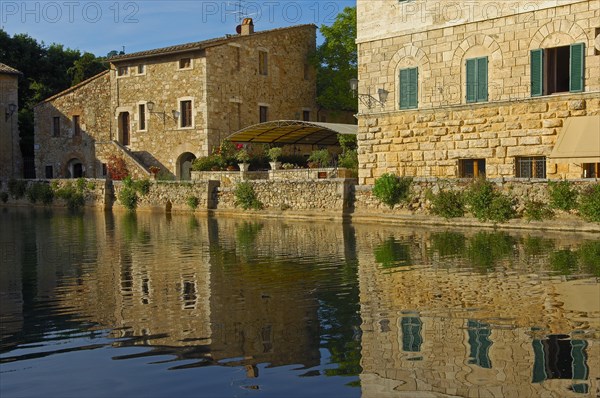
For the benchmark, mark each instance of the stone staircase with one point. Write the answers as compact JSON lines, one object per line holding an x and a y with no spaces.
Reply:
{"x":136,"y":167}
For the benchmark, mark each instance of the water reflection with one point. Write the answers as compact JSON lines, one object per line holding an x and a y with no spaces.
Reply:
{"x":281,"y":308}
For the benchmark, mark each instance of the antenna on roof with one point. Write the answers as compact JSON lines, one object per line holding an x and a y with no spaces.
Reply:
{"x":240,"y":10}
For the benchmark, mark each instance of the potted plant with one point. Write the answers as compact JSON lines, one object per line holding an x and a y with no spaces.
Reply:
{"x":319,"y":158}
{"x":274,"y":154}
{"x":243,"y":157}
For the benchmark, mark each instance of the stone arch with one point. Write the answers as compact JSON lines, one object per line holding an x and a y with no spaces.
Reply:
{"x":557,"y":33}
{"x":184,"y":166}
{"x":478,"y":39}
{"x":407,"y":57}
{"x":74,"y":167}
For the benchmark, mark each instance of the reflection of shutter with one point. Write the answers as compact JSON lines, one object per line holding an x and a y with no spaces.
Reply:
{"x":471,"y":80}
{"x":482,"y":79}
{"x":537,"y":72}
{"x":580,"y":368}
{"x":539,"y":364}
{"x":414,"y":87}
{"x":577,"y":67}
{"x":404,"y":88}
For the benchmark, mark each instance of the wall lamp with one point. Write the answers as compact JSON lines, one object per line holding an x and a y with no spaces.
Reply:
{"x":367,"y":99}
{"x":9,"y":111}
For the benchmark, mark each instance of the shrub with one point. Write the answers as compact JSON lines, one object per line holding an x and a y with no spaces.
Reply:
{"x":42,"y":192}
{"x":349,"y":160}
{"x":274,"y":154}
{"x":73,"y":195}
{"x":4,"y":197}
{"x":589,"y":203}
{"x":128,"y":197}
{"x":245,"y":196}
{"x":117,"y":168}
{"x":448,"y":204}
{"x":562,"y":195}
{"x":242,"y":156}
{"x":17,"y":188}
{"x":320,"y":157}
{"x":164,"y":175}
{"x":208,"y":163}
{"x":348,"y":142}
{"x":142,"y":186}
{"x":296,"y":159}
{"x":537,"y":211}
{"x":487,"y":204}
{"x":391,"y":190}
{"x":193,"y":202}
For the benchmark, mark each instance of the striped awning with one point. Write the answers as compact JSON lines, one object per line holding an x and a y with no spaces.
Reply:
{"x":579,"y":141}
{"x":293,"y":132}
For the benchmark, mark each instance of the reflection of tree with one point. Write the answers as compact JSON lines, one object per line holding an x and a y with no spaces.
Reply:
{"x":589,"y":257}
{"x":486,"y":249}
{"x":448,"y":243}
{"x":246,"y":236}
{"x":392,"y":253}
{"x":586,"y":258}
{"x":536,"y":246}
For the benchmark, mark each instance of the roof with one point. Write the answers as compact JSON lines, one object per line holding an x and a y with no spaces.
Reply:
{"x":199,"y":45}
{"x":75,"y":87}
{"x":293,"y":132}
{"x":579,"y":140}
{"x":7,"y":70}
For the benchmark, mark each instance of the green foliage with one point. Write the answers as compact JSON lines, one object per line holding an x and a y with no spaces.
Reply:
{"x":74,"y":195}
{"x":17,"y":188}
{"x":81,"y":184}
{"x":320,"y":157}
{"x":164,"y":175}
{"x":128,"y":197}
{"x":348,"y":142}
{"x":4,"y":197}
{"x":335,"y":62}
{"x":562,"y":195}
{"x":208,"y":163}
{"x":349,"y":160}
{"x":391,"y":254}
{"x":564,"y":261}
{"x":40,"y":192}
{"x":296,"y":159}
{"x":487,"y":204}
{"x":589,"y":203}
{"x":448,"y":204}
{"x":245,"y":196}
{"x":242,"y":156}
{"x":85,"y":67}
{"x":589,"y":257}
{"x":142,"y":186}
{"x":537,"y":211}
{"x":193,"y":202}
{"x":448,"y":243}
{"x":274,"y":154}
{"x":391,"y":190}
{"x":486,"y":249}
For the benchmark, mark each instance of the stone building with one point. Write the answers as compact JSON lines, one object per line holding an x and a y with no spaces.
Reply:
{"x":11,"y":162}
{"x":505,"y":90}
{"x":165,"y":107}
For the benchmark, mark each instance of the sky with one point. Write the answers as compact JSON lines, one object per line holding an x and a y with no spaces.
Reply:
{"x":101,"y":26}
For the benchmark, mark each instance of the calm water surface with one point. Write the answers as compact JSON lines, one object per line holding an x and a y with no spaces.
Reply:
{"x":148,"y":305}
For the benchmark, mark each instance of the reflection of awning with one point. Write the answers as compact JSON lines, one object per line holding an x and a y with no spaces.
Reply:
{"x":293,"y":132}
{"x":579,"y":141}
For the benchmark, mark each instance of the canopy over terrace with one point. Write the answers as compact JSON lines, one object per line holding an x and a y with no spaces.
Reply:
{"x":293,"y":132}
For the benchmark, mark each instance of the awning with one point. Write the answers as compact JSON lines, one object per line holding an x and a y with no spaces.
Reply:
{"x":293,"y":132}
{"x":579,"y":141}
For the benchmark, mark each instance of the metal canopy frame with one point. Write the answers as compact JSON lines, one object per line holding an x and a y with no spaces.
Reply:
{"x":293,"y":132}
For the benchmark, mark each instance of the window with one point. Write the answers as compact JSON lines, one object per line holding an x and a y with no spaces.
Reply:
{"x":49,"y":172}
{"x":185,"y":63}
{"x":142,"y":116}
{"x":56,"y":126}
{"x":263,"y":63}
{"x":185,"y":110}
{"x":263,"y":113}
{"x":557,"y":70}
{"x":306,"y":116}
{"x":471,"y":168}
{"x":104,"y":169}
{"x":411,"y":334}
{"x":530,"y":167}
{"x":557,"y":357}
{"x":591,"y":170}
{"x":477,"y":80}
{"x":76,"y":126}
{"x":479,"y":343}
{"x":141,"y":69}
{"x":122,"y":71}
{"x":409,"y":88}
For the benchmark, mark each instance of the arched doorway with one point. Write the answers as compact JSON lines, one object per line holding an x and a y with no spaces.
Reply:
{"x":75,"y":169}
{"x":184,"y":165}
{"x":124,"y":138}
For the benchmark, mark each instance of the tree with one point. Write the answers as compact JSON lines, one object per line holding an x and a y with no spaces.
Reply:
{"x":336,"y":62}
{"x":85,"y":67}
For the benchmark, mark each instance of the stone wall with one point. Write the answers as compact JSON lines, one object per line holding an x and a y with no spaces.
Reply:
{"x":11,"y":162}
{"x":90,"y":101}
{"x":96,"y":192}
{"x":430,"y":140}
{"x":228,"y":178}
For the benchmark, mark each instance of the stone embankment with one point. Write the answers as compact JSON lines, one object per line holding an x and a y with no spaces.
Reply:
{"x":339,"y":199}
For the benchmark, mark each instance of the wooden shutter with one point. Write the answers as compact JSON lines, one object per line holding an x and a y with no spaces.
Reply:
{"x":482,"y":79}
{"x":537,"y":73}
{"x":471,"y":80}
{"x":404,"y":88}
{"x":413,"y":99}
{"x":577,"y":68}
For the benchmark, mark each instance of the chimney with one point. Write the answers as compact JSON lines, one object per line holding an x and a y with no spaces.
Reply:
{"x":247,"y":27}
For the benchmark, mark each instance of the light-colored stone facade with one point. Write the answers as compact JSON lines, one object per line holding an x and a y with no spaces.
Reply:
{"x":166,"y":107}
{"x":11,"y":161}
{"x":437,"y":38}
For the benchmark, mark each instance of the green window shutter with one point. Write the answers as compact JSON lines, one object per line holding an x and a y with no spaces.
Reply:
{"x":408,"y":88}
{"x":537,"y":73}
{"x":577,"y":67}
{"x":471,"y":80}
{"x":482,"y":79}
